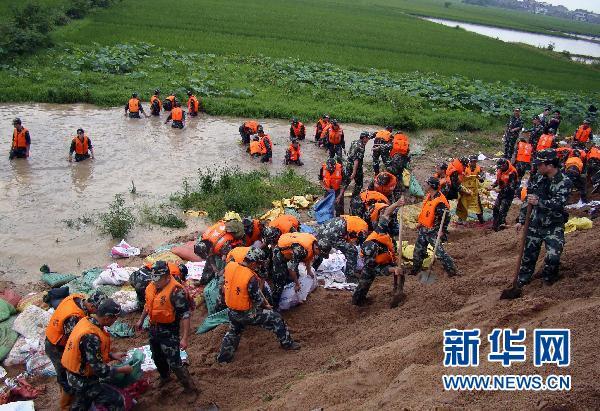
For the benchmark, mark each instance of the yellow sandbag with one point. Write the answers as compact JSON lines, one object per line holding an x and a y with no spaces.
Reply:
{"x":408,"y":253}
{"x":406,"y":178}
{"x":195,"y":213}
{"x":272,"y":214}
{"x":231,"y":215}
{"x":164,"y":256}
{"x":301,"y":201}
{"x":32,"y":299}
{"x":578,"y":223}
{"x":410,"y":215}
{"x":294,"y":202}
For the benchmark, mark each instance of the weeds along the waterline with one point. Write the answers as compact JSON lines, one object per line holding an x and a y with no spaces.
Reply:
{"x":248,"y":193}
{"x":161,"y":215}
{"x":118,"y":220}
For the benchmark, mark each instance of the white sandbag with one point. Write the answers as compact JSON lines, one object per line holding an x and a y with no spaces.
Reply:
{"x":195,"y":269}
{"x":40,"y":365}
{"x":114,"y":275}
{"x":290,"y":298}
{"x":127,"y":299}
{"x":124,"y":250}
{"x":24,"y":349}
{"x":32,"y":322}
{"x":18,"y":406}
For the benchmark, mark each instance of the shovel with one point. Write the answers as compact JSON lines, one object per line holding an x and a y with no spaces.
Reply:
{"x":514,"y":291}
{"x":399,"y":295}
{"x":425,"y":276}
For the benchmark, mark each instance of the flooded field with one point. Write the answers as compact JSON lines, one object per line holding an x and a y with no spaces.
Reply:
{"x":40,"y":194}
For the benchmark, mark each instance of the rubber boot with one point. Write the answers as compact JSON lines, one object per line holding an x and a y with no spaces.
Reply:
{"x":184,"y":377}
{"x":65,"y":400}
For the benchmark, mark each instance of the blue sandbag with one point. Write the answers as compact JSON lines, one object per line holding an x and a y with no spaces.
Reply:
{"x":213,"y":321}
{"x":325,"y":208}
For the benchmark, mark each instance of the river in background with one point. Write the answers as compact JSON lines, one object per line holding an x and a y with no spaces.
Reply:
{"x":578,"y":46}
{"x":39,"y":194}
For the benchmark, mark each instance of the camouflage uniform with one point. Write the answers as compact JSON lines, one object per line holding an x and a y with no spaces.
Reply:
{"x":267,"y":319}
{"x":547,"y":225}
{"x":510,"y":138}
{"x":535,"y":134}
{"x":453,"y":187}
{"x":208,"y":273}
{"x":281,"y":269}
{"x":333,"y":233}
{"x":139,"y":280}
{"x":356,"y":152}
{"x":396,"y":166}
{"x":164,"y":340}
{"x":503,"y":202}
{"x":90,"y":390}
{"x":428,"y":236}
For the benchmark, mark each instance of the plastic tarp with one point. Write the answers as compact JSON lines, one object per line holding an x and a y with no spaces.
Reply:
{"x":213,"y":320}
{"x":324,"y":209}
{"x":121,"y":329}
{"x":136,"y":359}
{"x":6,"y":310}
{"x":8,"y":337}
{"x":468,"y":203}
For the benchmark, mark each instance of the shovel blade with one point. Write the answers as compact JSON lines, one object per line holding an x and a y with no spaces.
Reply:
{"x":511,"y":293}
{"x":427,"y":277}
{"x":398,"y":299}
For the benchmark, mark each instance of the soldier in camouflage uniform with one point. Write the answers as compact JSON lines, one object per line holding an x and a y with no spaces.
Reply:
{"x":87,"y":387}
{"x":168,"y":307}
{"x":506,"y":184}
{"x":335,"y":233}
{"x":427,"y":233}
{"x":513,"y":127}
{"x":535,"y":132}
{"x":354,"y":164}
{"x":548,"y":192}
{"x":248,"y":306}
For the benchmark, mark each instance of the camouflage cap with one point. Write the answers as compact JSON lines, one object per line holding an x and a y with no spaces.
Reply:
{"x":109,"y":308}
{"x":96,"y":298}
{"x":159,"y":269}
{"x":543,"y":156}
{"x":255,"y":255}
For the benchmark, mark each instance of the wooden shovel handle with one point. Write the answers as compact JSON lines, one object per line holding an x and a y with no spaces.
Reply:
{"x":437,"y":241}
{"x":522,"y":245}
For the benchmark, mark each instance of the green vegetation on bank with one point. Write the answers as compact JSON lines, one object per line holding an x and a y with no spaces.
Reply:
{"x":247,"y":193}
{"x":118,"y":220}
{"x":352,"y":34}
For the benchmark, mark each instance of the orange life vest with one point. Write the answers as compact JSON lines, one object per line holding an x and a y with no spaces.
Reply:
{"x":324,"y":126}
{"x":305,"y":240}
{"x":354,"y":227}
{"x":400,"y":145}
{"x":545,"y":141}
{"x":19,"y":138}
{"x":370,"y":197}
{"x":72,"y":359}
{"x":237,"y":254}
{"x":252,"y":126}
{"x":524,"y":151}
{"x":335,"y":136}
{"x":523,"y":195}
{"x":218,"y":237}
{"x":502,"y":177}
{"x":67,"y":308}
{"x":153,"y":99}
{"x":158,"y":302}
{"x":177,"y":114}
{"x":383,"y":135}
{"x":255,"y":235}
{"x":134,"y":105}
{"x":285,"y":223}
{"x":583,"y":134}
{"x":387,"y":257}
{"x":457,"y":166}
{"x":255,"y":147}
{"x":193,"y":104}
{"x":594,"y":153}
{"x":171,"y":98}
{"x":389,"y":187}
{"x":235,"y":288}
{"x":297,"y":130}
{"x":263,"y":145}
{"x":376,"y":211}
{"x":332,"y":180}
{"x":427,"y":215}
{"x":469,"y":172}
{"x":294,"y":152}
{"x":175,"y":271}
{"x":574,"y":162}
{"x":81,"y":147}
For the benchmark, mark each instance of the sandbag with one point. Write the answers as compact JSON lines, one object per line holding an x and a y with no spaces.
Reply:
{"x":290,"y":298}
{"x":121,"y":329}
{"x":8,"y":337}
{"x":211,"y":295}
{"x":166,"y":256}
{"x":414,"y":188}
{"x":213,"y":320}
{"x":578,"y":223}
{"x":36,"y":299}
{"x":186,"y":252}
{"x":32,"y":322}
{"x":127,"y":299}
{"x":84,"y":284}
{"x":57,"y":279}
{"x":136,"y":360}
{"x":324,"y":209}
{"x":11,"y":296}
{"x":6,"y":310}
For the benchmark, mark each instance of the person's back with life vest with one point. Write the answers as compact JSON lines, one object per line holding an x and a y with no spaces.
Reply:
{"x":583,"y":133}
{"x":177,"y":116}
{"x":193,"y":104}
{"x":293,"y":153}
{"x":574,"y":171}
{"x":297,"y":129}
{"x":547,"y":140}
{"x":134,"y":107}
{"x":254,"y":147}
{"x":155,"y":103}
{"x":169,"y":102}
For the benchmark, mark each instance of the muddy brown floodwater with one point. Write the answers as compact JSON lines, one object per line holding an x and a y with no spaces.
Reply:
{"x":39,"y":194}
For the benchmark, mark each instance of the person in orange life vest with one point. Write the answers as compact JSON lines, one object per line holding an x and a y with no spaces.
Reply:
{"x":193,"y":104}
{"x":382,"y":137}
{"x":574,"y":170}
{"x":168,"y":308}
{"x":331,"y":176}
{"x":385,"y":183}
{"x":297,"y":130}
{"x":254,"y":147}
{"x":343,"y":233}
{"x":374,"y":214}
{"x":266,"y":146}
{"x":334,"y":139}
{"x":582,"y":135}
{"x":379,"y":255}
{"x":177,"y":116}
{"x":247,"y":129}
{"x":169,"y":102}
{"x":63,"y":320}
{"x":253,"y":230}
{"x":396,"y":156}
{"x":593,"y":166}
{"x":523,"y":157}
{"x":322,"y":125}
{"x":291,"y":250}
{"x":21,"y":141}
{"x":506,"y":186}
{"x":155,"y":103}
{"x":283,"y":224}
{"x":428,"y":225}
{"x":360,"y":206}
{"x":213,"y":246}
{"x":248,"y":306}
{"x":293,"y":154}
{"x":134,"y":107}
{"x":440,"y":174}
{"x":454,"y":177}
{"x":140,"y":279}
{"x":86,"y":360}
{"x":81,"y":145}
{"x":473,"y":169}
